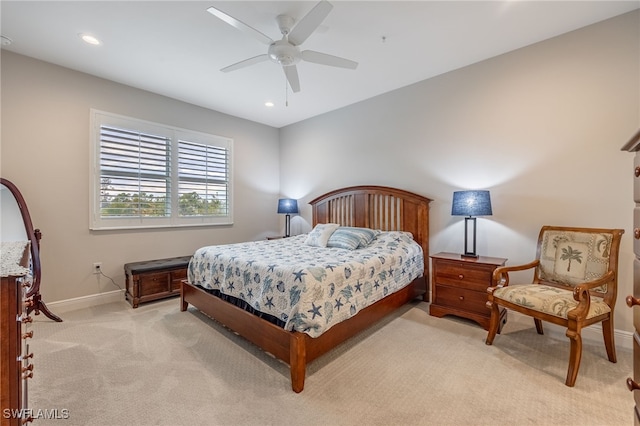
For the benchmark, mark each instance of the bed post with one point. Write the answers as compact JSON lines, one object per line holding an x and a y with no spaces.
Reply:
{"x":183,"y":303}
{"x":297,"y":360}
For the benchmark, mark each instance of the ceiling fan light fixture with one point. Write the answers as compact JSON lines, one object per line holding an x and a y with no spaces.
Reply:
{"x":89,"y":39}
{"x":283,"y":53}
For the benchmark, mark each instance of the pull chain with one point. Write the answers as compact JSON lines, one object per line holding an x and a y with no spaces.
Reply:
{"x":286,"y":92}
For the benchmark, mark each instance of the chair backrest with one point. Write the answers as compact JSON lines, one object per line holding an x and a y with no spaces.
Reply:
{"x":569,"y":256}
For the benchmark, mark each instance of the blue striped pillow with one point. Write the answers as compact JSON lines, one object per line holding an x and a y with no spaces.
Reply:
{"x":351,"y":238}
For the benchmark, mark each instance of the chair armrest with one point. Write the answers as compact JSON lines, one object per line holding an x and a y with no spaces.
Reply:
{"x":582,"y":295}
{"x":501,"y":273}
{"x":580,"y":288}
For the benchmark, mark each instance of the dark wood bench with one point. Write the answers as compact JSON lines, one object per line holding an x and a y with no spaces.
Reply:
{"x":155,"y":279}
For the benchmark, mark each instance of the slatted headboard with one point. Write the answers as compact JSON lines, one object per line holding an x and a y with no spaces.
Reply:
{"x":377,"y":207}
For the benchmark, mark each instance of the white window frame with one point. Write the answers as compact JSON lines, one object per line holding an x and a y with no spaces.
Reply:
{"x":174,"y":134}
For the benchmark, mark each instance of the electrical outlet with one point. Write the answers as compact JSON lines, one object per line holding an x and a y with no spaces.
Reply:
{"x":97,"y":268}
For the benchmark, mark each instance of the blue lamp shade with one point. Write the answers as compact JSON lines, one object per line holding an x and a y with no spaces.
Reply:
{"x":287,"y":206}
{"x":471,"y":203}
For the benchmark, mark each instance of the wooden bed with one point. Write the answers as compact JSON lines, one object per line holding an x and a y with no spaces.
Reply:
{"x":375,"y":207}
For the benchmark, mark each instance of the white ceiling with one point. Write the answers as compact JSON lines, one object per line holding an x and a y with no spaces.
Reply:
{"x":176,"y":48}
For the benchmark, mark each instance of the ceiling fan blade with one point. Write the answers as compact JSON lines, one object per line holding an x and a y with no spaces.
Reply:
{"x":324,"y":59}
{"x":309,"y":23}
{"x":292,"y":77}
{"x":246,"y":63}
{"x":236,"y":23}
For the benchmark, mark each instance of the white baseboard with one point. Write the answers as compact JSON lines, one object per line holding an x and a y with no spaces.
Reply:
{"x":85,"y":302}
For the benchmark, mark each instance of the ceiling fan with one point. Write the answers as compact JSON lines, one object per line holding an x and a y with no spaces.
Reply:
{"x":286,"y":51}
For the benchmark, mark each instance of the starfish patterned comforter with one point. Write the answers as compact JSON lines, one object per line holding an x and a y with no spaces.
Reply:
{"x":308,"y":288}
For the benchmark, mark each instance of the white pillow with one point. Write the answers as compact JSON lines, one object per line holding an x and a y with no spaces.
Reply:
{"x":320,"y":234}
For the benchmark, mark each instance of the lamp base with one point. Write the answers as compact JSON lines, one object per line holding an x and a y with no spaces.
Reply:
{"x":470,"y":255}
{"x":287,"y":226}
{"x":470,"y":222}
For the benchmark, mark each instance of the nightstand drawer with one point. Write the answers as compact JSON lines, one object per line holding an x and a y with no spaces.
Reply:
{"x":471,"y":277}
{"x":459,"y":298}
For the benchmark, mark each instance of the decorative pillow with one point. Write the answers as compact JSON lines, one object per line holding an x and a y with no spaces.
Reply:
{"x":343,"y":238}
{"x":366,"y":235}
{"x":319,"y":236}
{"x":351,"y":238}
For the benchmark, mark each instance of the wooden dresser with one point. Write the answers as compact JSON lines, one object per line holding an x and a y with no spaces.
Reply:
{"x":16,"y":367}
{"x":459,"y":286}
{"x":633,"y":383}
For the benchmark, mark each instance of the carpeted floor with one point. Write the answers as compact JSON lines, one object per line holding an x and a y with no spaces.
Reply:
{"x":155,"y":365}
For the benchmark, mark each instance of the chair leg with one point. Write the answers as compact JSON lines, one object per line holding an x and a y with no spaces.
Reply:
{"x":574,"y":356}
{"x":609,"y":342}
{"x":494,"y":322}
{"x":538,"y":325}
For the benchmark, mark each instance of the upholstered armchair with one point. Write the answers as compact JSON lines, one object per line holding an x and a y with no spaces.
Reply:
{"x":574,"y":285}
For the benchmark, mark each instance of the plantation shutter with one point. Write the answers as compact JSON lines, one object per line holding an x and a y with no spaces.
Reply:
{"x":135,"y":174}
{"x":203,"y":179}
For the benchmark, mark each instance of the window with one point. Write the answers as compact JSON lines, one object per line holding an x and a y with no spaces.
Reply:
{"x":150,"y":175}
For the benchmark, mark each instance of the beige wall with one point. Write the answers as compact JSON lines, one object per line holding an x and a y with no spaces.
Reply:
{"x":45,"y":152}
{"x":541,"y":127}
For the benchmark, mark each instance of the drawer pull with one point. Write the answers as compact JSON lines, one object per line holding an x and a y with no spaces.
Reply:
{"x":460,"y":276}
{"x":28,"y":303}
{"x":27,"y":368}
{"x":636,"y":233}
{"x":29,"y":375}
{"x":637,"y":171}
{"x":28,"y":335}
{"x":632,"y":301}
{"x":461,"y":298}
{"x":23,"y":357}
{"x":632,"y":385}
{"x":26,"y":318}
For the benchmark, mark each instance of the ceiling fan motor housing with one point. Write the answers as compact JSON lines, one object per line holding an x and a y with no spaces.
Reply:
{"x":284,"y":53}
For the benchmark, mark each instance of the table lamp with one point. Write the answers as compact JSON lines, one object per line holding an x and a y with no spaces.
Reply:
{"x":287,"y":206}
{"x":470,"y":204}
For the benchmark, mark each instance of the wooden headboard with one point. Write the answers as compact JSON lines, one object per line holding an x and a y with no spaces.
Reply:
{"x":377,"y":207}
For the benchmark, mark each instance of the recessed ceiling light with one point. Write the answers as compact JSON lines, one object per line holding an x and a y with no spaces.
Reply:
{"x":269,"y":104}
{"x":89,"y":39}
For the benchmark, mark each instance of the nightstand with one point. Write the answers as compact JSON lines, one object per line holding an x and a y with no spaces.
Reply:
{"x":459,"y":287}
